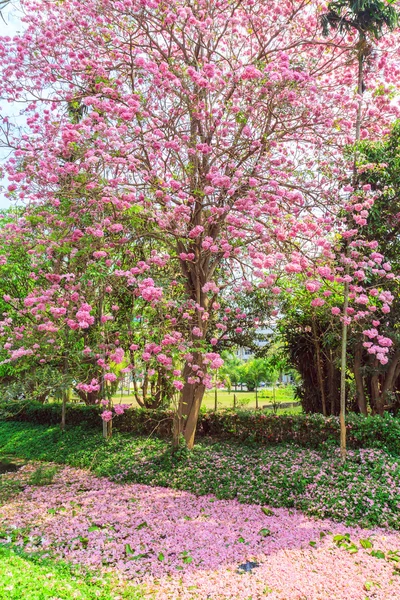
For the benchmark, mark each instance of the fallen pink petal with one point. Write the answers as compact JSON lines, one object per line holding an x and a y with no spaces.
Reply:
{"x":182,"y":546}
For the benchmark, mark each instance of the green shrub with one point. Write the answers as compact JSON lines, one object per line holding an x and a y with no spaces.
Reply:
{"x":311,"y":431}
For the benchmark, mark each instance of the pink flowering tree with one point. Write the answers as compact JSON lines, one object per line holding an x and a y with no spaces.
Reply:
{"x":368,"y":21}
{"x":198,"y":134}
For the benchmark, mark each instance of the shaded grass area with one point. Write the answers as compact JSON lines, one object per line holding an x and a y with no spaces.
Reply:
{"x":364,"y":491}
{"x":29,"y":577}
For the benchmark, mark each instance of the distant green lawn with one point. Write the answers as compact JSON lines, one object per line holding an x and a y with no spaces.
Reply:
{"x":248,"y":399}
{"x":244,"y":399}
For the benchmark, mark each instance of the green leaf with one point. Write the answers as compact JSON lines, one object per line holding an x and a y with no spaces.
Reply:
{"x":128,"y":549}
{"x":366,"y":543}
{"x":267,"y":511}
{"x":393,"y":555}
{"x":93,"y":528}
{"x":241,"y":540}
{"x":368,"y":585}
{"x":378,"y":554}
{"x":142,"y":525}
{"x":161,"y":557}
{"x":187,"y":560}
{"x":264,"y":532}
{"x":313,"y":544}
{"x":339,"y":537}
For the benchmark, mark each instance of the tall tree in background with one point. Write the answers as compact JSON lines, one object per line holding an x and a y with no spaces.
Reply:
{"x":369,"y":19}
{"x":379,"y":166}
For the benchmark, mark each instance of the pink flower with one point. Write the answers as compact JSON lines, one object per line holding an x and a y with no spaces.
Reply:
{"x":196,"y":231}
{"x":110,"y":377}
{"x":177,"y":384}
{"x":251,"y":72}
{"x":313,"y":286}
{"x":335,"y":310}
{"x":106,"y":415}
{"x":317,"y":302}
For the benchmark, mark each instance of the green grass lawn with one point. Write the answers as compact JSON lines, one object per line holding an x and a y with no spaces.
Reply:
{"x":27,"y":577}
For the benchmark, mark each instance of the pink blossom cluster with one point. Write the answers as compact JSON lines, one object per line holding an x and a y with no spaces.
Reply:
{"x":120,"y":201}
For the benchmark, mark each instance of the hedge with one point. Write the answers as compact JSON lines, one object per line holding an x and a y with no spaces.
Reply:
{"x":309,"y":431}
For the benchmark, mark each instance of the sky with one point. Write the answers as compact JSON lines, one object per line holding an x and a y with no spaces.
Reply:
{"x":8,"y":27}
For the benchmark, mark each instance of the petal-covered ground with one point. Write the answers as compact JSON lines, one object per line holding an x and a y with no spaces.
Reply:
{"x":186,"y":547}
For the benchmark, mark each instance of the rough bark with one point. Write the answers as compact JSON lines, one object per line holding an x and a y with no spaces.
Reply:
{"x":63,"y":410}
{"x":358,"y":377}
{"x":185,"y":422}
{"x":343,"y":375}
{"x":319,"y":368}
{"x":390,"y":378}
{"x":360,"y":91}
{"x":381,"y":386}
{"x":377,"y":407}
{"x":331,"y":379}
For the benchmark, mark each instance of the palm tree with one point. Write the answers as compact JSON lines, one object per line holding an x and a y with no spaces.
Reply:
{"x":370,"y":18}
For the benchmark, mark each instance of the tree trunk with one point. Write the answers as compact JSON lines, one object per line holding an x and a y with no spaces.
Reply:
{"x":380,"y":390}
{"x":65,"y":391}
{"x":185,"y":421}
{"x":63,"y":410}
{"x":342,"y":416}
{"x":319,"y":368}
{"x":375,"y":395}
{"x":331,"y":382}
{"x":361,"y":400}
{"x":343,"y":362}
{"x":391,"y":374}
